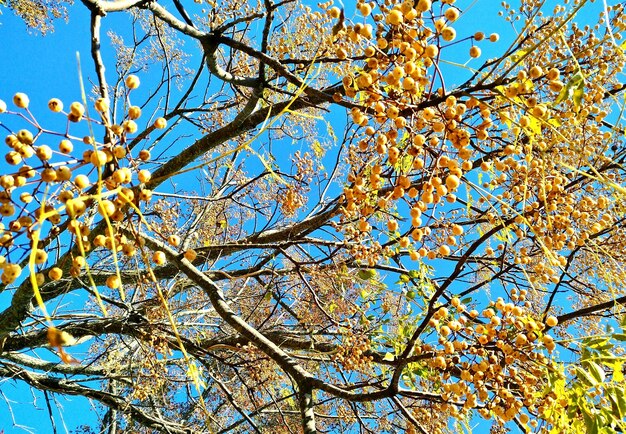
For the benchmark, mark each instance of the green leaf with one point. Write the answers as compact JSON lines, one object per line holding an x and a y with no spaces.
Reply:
{"x":600,"y":343}
{"x":618,"y":375}
{"x":366,"y":274}
{"x":572,"y":85}
{"x":596,"y":371}
{"x":618,"y":401}
{"x":585,"y":377}
{"x":579,"y":92}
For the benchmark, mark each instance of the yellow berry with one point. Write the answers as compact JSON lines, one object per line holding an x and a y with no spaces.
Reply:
{"x":40,"y":256}
{"x":452,"y":14}
{"x":448,"y":34}
{"x":551,"y":321}
{"x":144,"y":155}
{"x":55,"y":273}
{"x":55,"y":105}
{"x":98,"y":158}
{"x":106,"y":208}
{"x":160,"y":123}
{"x":113,"y":282}
{"x":21,"y":100}
{"x":334,"y":12}
{"x":132,"y":82}
{"x":77,"y":109}
{"x":190,"y":255}
{"x":134,"y":112}
{"x":395,"y":17}
{"x":452,"y":182}
{"x":44,"y":152}
{"x":144,"y":176}
{"x":158,"y":257}
{"x":423,"y":5}
{"x":25,"y":137}
{"x":102,"y":105}
{"x":81,"y":181}
{"x":66,"y":146}
{"x":129,"y":126}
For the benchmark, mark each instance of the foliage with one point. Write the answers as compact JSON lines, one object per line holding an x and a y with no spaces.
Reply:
{"x":213,"y":248}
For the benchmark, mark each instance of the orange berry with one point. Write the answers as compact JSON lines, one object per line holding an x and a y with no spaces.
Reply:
{"x":160,"y":123}
{"x":159,"y":258}
{"x":394,"y":17}
{"x":132,"y":82}
{"x":551,"y":321}
{"x":55,"y":273}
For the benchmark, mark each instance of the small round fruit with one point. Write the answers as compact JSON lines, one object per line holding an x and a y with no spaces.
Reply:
{"x":160,"y":123}
{"x":551,"y":321}
{"x":77,"y":109}
{"x":394,"y":17}
{"x":98,"y":158}
{"x":55,"y":273}
{"x":40,"y":256}
{"x":475,"y":52}
{"x":102,"y":105}
{"x":113,"y":282}
{"x":21,"y":100}
{"x":145,"y":195}
{"x":452,"y":182}
{"x":55,"y":105}
{"x":423,"y":5}
{"x":25,"y":137}
{"x":144,"y":155}
{"x":134,"y":112}
{"x":144,"y":176}
{"x":130,"y":127}
{"x":190,"y":255}
{"x":158,"y":257}
{"x":106,"y":208}
{"x":334,"y":12}
{"x":452,"y":14}
{"x":81,"y":181}
{"x":48,"y":175}
{"x":448,"y":34}
{"x":44,"y":152}
{"x":132,"y":82}
{"x":66,"y":146}
{"x":3,"y":106}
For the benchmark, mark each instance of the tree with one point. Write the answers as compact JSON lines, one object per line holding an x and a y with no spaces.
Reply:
{"x":213,"y":248}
